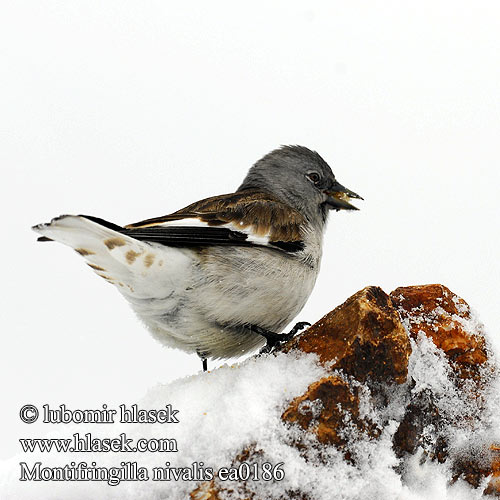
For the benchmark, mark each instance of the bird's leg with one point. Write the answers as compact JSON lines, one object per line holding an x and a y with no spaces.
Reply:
{"x":203,"y":356}
{"x":275,"y":340}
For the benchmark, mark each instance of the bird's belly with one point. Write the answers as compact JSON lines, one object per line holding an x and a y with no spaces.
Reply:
{"x":223,"y":290}
{"x":253,"y":286}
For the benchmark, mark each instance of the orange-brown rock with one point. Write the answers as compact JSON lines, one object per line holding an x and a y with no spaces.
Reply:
{"x":324,"y":410}
{"x":364,"y":337}
{"x":479,"y":465}
{"x":205,"y":491}
{"x":493,"y":487}
{"x":445,"y":318}
{"x":440,"y":314}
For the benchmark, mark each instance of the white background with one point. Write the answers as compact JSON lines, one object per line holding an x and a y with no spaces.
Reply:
{"x":133,"y":109}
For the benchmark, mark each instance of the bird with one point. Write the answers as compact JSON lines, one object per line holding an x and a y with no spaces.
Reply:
{"x":225,"y":275}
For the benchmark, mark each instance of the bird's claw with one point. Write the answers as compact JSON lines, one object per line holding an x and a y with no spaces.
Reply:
{"x":296,"y":329}
{"x":276,"y":341}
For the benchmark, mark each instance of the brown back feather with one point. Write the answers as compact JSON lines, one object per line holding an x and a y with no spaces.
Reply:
{"x":262,"y":211}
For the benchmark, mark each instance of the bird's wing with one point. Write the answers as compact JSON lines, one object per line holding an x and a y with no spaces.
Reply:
{"x":142,"y":259}
{"x":245,"y":218}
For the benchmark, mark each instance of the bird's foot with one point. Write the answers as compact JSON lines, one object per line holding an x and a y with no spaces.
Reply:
{"x":275,"y":341}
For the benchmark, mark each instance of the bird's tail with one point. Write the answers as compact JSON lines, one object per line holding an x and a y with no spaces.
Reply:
{"x":131,"y":265}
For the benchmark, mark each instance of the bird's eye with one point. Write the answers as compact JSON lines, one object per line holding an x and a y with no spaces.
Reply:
{"x":313,"y":177}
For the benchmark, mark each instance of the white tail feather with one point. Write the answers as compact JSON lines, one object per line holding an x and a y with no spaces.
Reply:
{"x":139,"y":269}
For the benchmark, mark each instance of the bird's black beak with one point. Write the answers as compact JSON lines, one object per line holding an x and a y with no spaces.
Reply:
{"x":339,"y":196}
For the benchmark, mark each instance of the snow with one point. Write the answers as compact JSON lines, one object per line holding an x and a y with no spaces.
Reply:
{"x":220,"y":413}
{"x":236,"y":408}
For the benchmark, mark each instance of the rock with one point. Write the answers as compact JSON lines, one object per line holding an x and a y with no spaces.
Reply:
{"x":443,"y":316}
{"x":326,"y":409}
{"x":363,"y":337}
{"x":325,"y":405}
{"x":366,"y":344}
{"x":205,"y":491}
{"x":422,"y":413}
{"x":478,"y":466}
{"x":493,"y":487}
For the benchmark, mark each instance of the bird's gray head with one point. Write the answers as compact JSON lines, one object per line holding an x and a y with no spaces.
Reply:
{"x":302,"y":179}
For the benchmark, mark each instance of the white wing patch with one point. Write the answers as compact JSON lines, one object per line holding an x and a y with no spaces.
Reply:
{"x":252,"y":236}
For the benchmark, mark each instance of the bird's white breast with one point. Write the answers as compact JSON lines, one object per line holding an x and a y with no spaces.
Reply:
{"x":256,"y":285}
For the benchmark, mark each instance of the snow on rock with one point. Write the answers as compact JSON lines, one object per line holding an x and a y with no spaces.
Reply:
{"x":385,"y":398}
